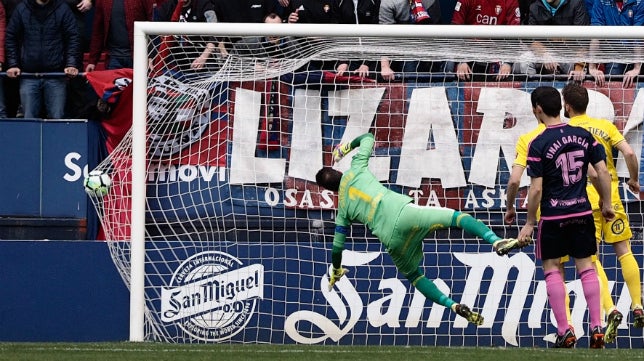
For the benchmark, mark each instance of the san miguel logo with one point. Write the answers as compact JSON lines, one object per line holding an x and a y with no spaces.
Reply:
{"x":211,"y":296}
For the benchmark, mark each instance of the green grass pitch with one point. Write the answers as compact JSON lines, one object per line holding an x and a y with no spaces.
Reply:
{"x":127,"y":351}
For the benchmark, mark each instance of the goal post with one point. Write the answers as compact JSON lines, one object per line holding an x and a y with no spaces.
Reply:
{"x":240,"y":143}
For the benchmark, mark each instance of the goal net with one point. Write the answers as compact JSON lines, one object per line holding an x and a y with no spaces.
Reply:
{"x":216,"y":223}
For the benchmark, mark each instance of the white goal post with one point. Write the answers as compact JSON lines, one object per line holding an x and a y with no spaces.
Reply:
{"x":372,"y":43}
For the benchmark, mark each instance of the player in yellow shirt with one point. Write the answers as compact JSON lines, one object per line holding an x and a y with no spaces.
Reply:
{"x":519,"y":165}
{"x":616,"y":232}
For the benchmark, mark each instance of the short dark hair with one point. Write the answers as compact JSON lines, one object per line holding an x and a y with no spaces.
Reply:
{"x":329,"y":178}
{"x":576,"y":96}
{"x":548,"y":98}
{"x":272,"y":16}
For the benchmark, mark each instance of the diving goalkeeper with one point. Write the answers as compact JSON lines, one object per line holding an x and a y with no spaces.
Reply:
{"x":399,"y":224}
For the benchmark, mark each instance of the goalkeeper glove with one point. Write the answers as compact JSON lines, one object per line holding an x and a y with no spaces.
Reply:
{"x":335,"y":276}
{"x":504,"y":246}
{"x":465,"y":312}
{"x":340,"y":151}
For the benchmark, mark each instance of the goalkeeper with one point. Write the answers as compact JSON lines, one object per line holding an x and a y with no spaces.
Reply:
{"x":399,"y":224}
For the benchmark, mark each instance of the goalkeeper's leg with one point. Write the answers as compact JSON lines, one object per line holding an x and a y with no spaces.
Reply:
{"x":504,"y":246}
{"x":474,"y":226}
{"x":431,"y":292}
{"x":465,"y":312}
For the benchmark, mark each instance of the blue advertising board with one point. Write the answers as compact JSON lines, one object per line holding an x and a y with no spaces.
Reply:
{"x":43,"y":163}
{"x":21,"y":159}
{"x":278,"y":293}
{"x":61,"y":291}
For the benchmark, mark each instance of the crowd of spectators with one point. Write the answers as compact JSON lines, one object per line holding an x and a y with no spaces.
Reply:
{"x":63,"y":38}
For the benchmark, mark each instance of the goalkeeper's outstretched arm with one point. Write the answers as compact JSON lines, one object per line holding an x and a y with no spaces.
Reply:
{"x":341,"y":228}
{"x":343,"y":149}
{"x":336,"y":255}
{"x":355,"y":143}
{"x":338,"y":245}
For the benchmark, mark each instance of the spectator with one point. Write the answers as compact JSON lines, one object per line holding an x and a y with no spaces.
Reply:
{"x":81,"y":9}
{"x":113,"y":31}
{"x":11,"y":85}
{"x":315,"y":12}
{"x":589,"y":6}
{"x":3,"y":26}
{"x":78,"y":91}
{"x":408,"y":12}
{"x":42,"y":37}
{"x":366,"y":12}
{"x":186,"y":46}
{"x":484,"y":12}
{"x":552,"y":12}
{"x":240,"y":11}
{"x":243,"y":11}
{"x":347,"y":13}
{"x":271,"y":48}
{"x":524,"y":8}
{"x":281,"y":8}
{"x":616,"y":13}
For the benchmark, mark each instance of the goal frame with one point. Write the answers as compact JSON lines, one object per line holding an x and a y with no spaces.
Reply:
{"x":144,"y":29}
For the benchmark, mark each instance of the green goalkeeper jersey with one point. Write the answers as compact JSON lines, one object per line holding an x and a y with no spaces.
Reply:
{"x":362,"y":198}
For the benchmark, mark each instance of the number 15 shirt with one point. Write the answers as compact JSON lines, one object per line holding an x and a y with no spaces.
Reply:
{"x":560,"y":155}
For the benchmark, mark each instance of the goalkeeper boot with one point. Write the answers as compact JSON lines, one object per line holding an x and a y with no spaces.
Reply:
{"x":504,"y":246}
{"x":567,"y":340}
{"x":612,"y":323}
{"x":465,"y":312}
{"x":596,"y":338}
{"x":638,"y":316}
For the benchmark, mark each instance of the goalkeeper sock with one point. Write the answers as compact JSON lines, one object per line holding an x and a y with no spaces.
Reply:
{"x":473,"y":226}
{"x":429,"y":289}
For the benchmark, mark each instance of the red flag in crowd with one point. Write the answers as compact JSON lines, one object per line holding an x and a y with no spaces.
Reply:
{"x":114,"y":90}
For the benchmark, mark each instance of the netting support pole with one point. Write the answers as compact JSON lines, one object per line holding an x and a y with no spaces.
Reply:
{"x":137,"y":246}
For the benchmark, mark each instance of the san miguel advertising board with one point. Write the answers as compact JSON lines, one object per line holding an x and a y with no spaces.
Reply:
{"x":239,"y":294}
{"x":447,"y":145}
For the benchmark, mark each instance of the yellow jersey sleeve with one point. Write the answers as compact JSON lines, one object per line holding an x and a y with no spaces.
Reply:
{"x":523,"y":143}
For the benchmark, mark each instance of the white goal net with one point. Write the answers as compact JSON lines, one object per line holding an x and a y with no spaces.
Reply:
{"x":216,"y":222}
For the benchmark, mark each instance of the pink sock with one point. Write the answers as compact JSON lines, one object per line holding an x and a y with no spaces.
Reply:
{"x":590,"y":284}
{"x":557,"y":298}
